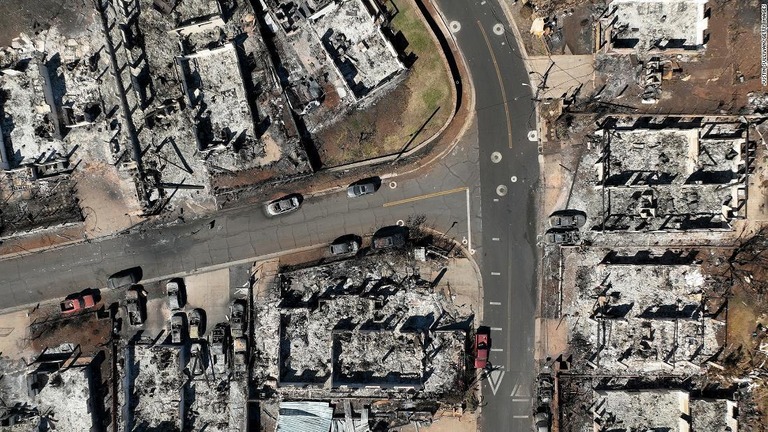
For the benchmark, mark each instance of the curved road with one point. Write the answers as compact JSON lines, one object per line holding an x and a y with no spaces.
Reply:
{"x":505,"y":115}
{"x":450,"y":194}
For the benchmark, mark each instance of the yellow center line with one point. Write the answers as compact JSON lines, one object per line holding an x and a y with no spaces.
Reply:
{"x":425,"y":196}
{"x":501,"y":83}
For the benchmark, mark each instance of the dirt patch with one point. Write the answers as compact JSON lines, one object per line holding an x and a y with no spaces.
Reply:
{"x":408,"y":115}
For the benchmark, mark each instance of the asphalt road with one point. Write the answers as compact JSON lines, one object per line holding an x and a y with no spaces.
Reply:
{"x":450,"y":194}
{"x":505,"y":115}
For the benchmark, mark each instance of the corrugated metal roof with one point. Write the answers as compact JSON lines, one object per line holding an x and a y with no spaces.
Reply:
{"x":304,"y":417}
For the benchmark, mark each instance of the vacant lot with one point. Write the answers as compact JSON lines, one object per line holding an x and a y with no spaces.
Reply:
{"x":414,"y":111}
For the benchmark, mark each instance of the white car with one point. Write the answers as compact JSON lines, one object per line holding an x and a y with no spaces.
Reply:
{"x":283,"y":205}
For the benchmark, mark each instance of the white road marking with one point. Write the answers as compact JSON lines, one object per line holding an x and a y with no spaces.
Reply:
{"x":497,"y":349}
{"x":454,"y":26}
{"x":526,"y":400}
{"x":495,"y":200}
{"x":469,"y":228}
{"x":496,"y":157}
{"x":498,"y":29}
{"x":495,"y":239}
{"x":521,"y":416}
{"x":514,"y":179}
{"x":533,"y":136}
{"x":495,"y":274}
{"x":496,"y":329}
{"x":501,"y":190}
{"x":495,"y":303}
{"x":494,"y":380}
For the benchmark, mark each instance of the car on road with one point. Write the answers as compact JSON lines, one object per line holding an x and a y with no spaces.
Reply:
{"x":123,"y":279}
{"x":77,"y":303}
{"x":389,"y":238}
{"x":363,"y":187}
{"x":177,"y":326}
{"x":237,"y":321}
{"x":482,"y":345}
{"x":173,"y":291}
{"x":563,"y":238}
{"x":345,"y":245}
{"x":283,"y":205}
{"x":567,"y":219}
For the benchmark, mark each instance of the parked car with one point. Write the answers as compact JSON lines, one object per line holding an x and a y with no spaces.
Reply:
{"x":78,"y":303}
{"x":237,"y":319}
{"x":389,"y":238}
{"x":482,"y":345}
{"x":177,"y":326}
{"x":133,"y":308}
{"x":195,"y":323}
{"x":542,"y":421}
{"x":567,"y":219}
{"x":123,"y":278}
{"x":283,"y":205}
{"x":363,"y":187}
{"x":172,"y":289}
{"x":563,"y":237}
{"x":345,"y":245}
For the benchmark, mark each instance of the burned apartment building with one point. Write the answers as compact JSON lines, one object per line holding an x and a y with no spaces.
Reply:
{"x":643,"y":328}
{"x":36,"y":190}
{"x":665,"y":174}
{"x":647,"y":312}
{"x":60,"y":389}
{"x":200,"y":107}
{"x":362,"y":328}
{"x":178,"y":387}
{"x":662,"y":409}
{"x":333,"y":54}
{"x":653,"y":27}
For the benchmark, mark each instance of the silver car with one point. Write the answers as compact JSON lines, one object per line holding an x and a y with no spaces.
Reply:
{"x":283,"y":205}
{"x":364,"y":187}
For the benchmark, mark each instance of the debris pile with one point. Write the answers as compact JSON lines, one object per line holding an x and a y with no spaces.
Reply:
{"x":665,"y":174}
{"x":647,"y":26}
{"x":359,"y":328}
{"x":154,"y":386}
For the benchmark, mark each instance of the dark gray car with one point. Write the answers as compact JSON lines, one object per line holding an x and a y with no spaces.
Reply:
{"x":567,"y":219}
{"x":346,"y":245}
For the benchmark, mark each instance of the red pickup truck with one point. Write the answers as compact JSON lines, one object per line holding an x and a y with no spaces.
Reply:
{"x":77,"y":304}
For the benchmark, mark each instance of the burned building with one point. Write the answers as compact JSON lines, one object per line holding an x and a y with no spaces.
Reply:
{"x":653,"y":27}
{"x":361,"y":328}
{"x":334,"y":54}
{"x":671,"y":175}
{"x":661,"y":409}
{"x":651,"y":313}
{"x":60,"y":387}
{"x":152,"y":382}
{"x":213,"y":87}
